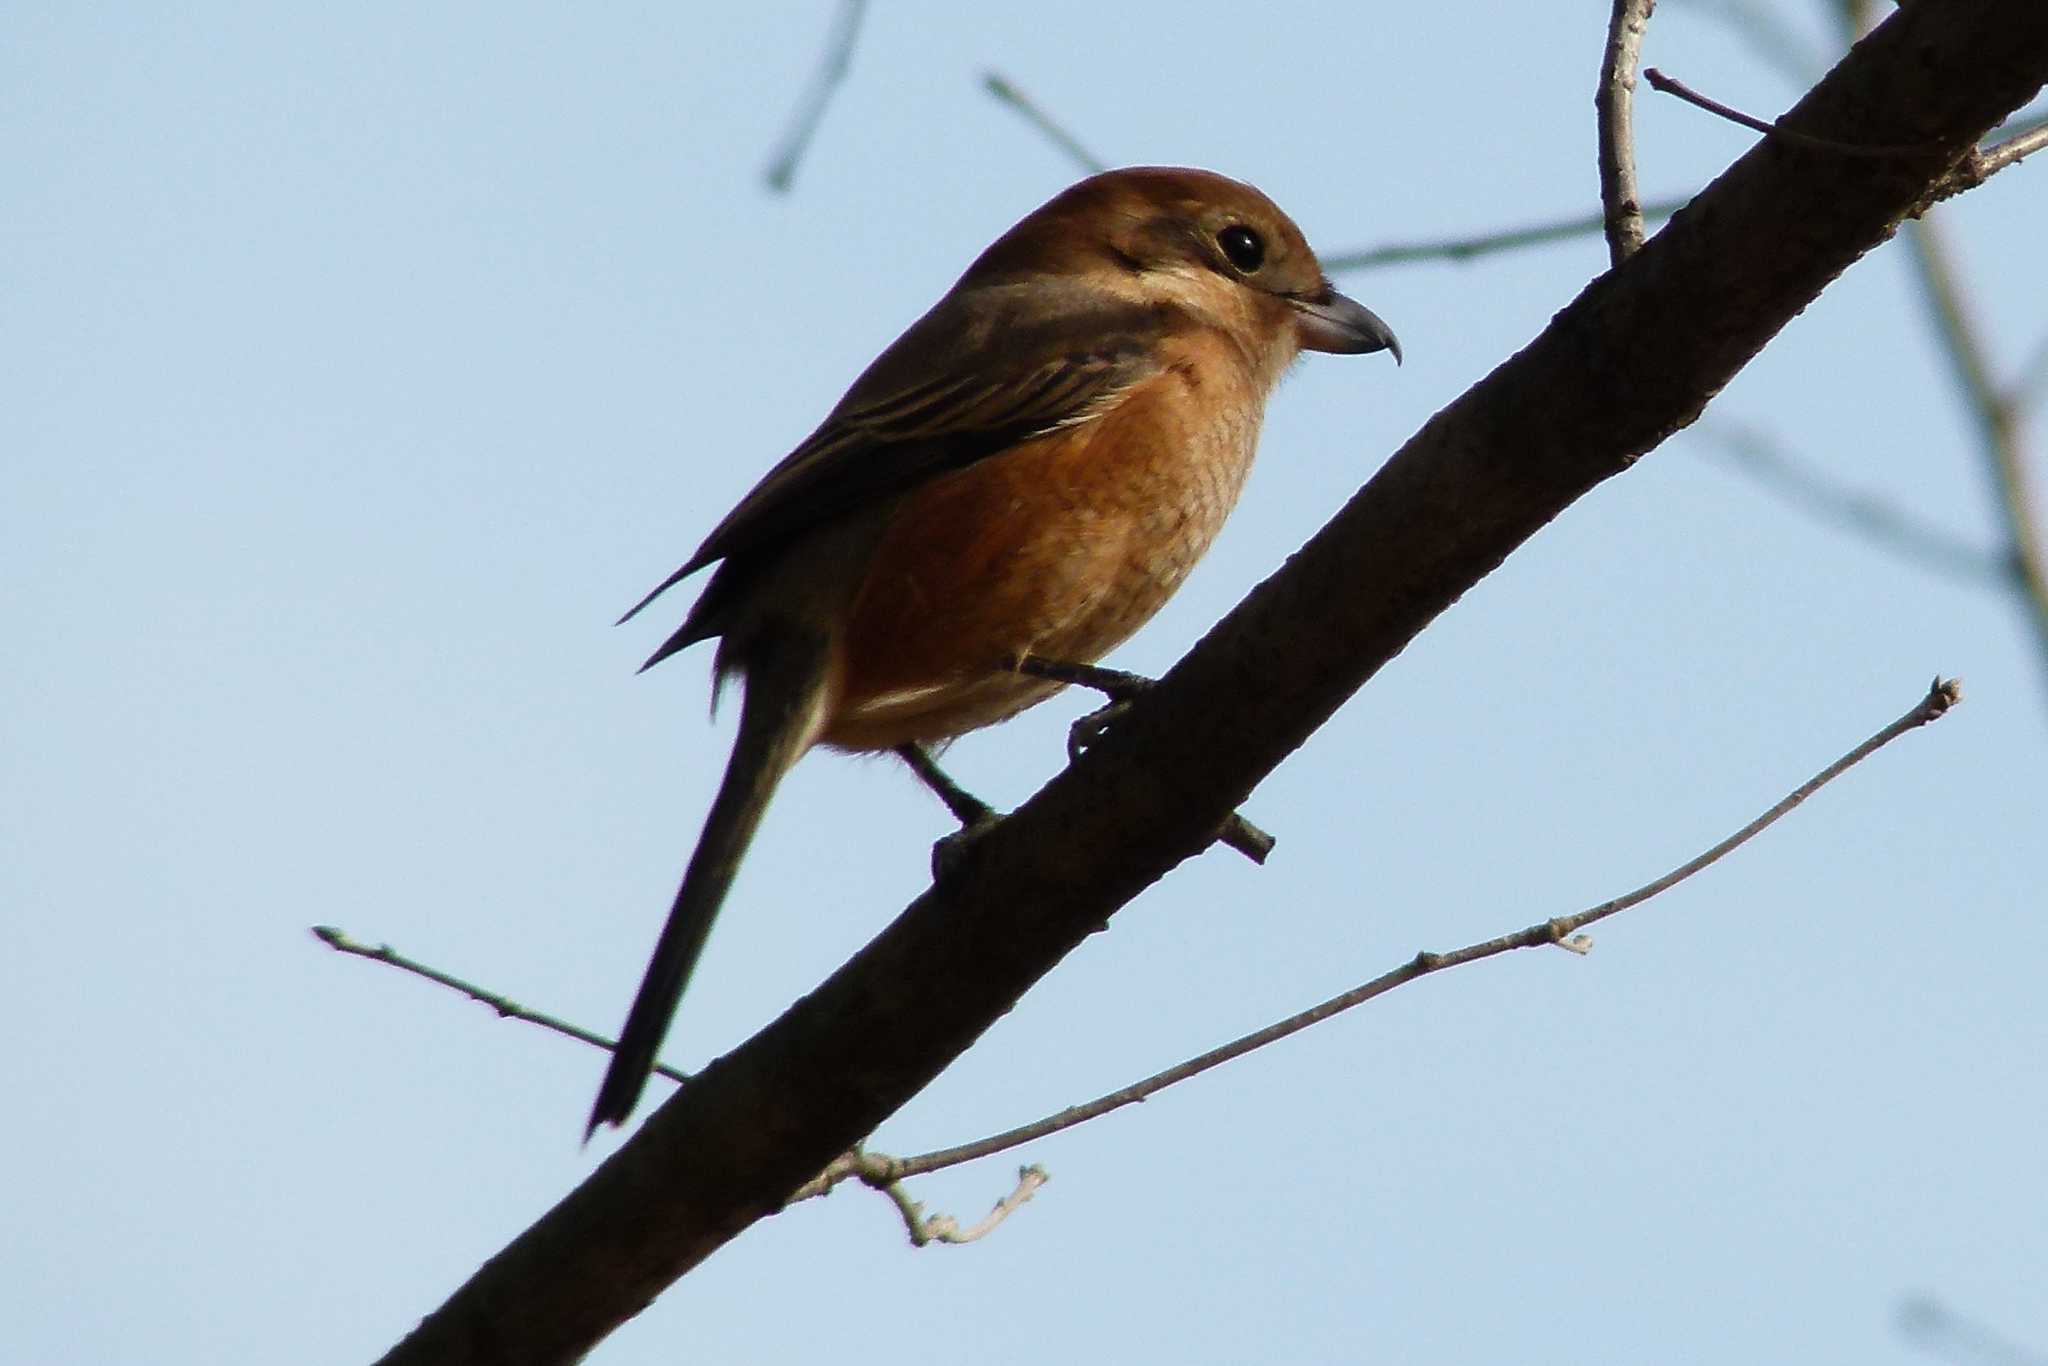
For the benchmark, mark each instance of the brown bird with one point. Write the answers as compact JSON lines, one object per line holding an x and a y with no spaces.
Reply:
{"x":1029,"y":471}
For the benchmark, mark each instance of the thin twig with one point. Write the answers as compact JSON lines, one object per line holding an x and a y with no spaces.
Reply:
{"x":1620,"y":206}
{"x":1672,"y":86}
{"x":2000,"y":430}
{"x":1562,"y":932}
{"x":1005,"y":90}
{"x":2020,"y":145}
{"x":1988,"y":159}
{"x":1866,"y":514}
{"x":1776,"y":43}
{"x":838,"y":60}
{"x":340,"y":941}
{"x":944,"y":1228}
{"x":874,"y":1171}
{"x":1507,"y":239}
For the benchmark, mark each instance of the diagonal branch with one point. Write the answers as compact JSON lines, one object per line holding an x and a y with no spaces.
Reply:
{"x":1629,"y":361}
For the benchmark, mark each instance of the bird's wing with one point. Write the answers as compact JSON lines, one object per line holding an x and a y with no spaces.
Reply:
{"x":982,"y":371}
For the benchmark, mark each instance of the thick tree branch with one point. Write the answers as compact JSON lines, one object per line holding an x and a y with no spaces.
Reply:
{"x":1632,"y":359}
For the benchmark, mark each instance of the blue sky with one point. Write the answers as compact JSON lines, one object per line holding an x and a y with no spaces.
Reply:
{"x":364,"y":364}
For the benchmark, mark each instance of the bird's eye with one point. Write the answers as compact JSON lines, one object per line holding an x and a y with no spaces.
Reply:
{"x":1245,"y":248}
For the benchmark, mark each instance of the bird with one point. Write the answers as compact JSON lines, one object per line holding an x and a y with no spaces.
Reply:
{"x":1028,"y":472}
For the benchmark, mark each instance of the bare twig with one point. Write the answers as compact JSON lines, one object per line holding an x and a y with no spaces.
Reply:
{"x":1989,"y":158}
{"x":340,"y":941}
{"x":2028,"y":140}
{"x":1562,"y":932}
{"x":1005,"y":90}
{"x":1770,"y":38}
{"x":1620,"y":207}
{"x":874,"y":1171}
{"x":1866,"y":514}
{"x":2000,"y":429}
{"x":1672,"y":86}
{"x":943,"y":1228}
{"x":810,"y":112}
{"x":1508,"y":239}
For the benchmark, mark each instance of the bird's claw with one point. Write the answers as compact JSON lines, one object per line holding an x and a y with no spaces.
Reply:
{"x":1094,"y":726}
{"x":948,"y":851}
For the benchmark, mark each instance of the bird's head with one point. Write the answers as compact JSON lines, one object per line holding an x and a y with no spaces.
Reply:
{"x":1212,"y":247}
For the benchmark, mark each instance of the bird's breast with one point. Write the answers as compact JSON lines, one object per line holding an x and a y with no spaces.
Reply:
{"x":1060,"y":548}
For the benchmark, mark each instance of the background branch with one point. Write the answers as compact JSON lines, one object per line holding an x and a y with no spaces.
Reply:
{"x":2030,"y":381}
{"x":1876,"y":519}
{"x":810,"y":110}
{"x":1999,"y":424}
{"x":1007,"y":92}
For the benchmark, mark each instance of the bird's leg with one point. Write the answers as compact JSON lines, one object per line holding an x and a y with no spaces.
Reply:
{"x":967,"y":808}
{"x":974,"y":814}
{"x":1123,"y":689}
{"x":1119,"y":687}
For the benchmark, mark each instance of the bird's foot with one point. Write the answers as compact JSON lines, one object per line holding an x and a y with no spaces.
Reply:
{"x":976,"y":816}
{"x":948,"y":851}
{"x":1123,"y":689}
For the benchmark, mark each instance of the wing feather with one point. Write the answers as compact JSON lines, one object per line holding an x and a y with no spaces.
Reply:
{"x":981,"y":372}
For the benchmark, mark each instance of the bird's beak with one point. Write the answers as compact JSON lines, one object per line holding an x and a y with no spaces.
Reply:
{"x":1341,"y":326}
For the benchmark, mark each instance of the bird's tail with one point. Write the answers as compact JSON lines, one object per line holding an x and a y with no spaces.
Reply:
{"x":786,"y":677}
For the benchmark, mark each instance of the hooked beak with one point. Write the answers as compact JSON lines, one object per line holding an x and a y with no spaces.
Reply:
{"x":1341,"y":326}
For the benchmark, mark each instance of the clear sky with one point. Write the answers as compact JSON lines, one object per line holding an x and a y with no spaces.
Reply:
{"x":361,"y":364}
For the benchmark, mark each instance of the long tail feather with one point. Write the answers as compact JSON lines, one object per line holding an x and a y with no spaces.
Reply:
{"x":781,"y":716}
